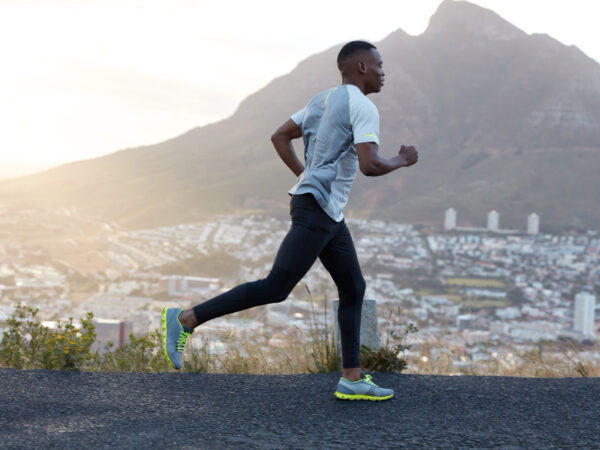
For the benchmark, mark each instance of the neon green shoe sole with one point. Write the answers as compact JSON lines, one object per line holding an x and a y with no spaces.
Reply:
{"x":361,"y":397}
{"x":164,"y":336}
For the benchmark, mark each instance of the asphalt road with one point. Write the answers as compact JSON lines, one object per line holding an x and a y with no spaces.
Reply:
{"x":48,"y":409}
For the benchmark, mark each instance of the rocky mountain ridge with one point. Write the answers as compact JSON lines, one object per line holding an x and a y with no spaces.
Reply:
{"x":502,"y":120}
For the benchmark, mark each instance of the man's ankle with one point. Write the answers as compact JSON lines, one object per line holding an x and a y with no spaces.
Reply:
{"x":352,"y":373}
{"x":187,"y":319}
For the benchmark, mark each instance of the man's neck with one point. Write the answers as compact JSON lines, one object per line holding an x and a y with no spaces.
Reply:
{"x":356,"y":83}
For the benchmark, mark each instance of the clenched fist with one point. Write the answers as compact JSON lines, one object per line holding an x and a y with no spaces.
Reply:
{"x":409,"y":154}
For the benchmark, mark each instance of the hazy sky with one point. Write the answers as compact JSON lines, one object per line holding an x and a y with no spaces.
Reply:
{"x":82,"y":78}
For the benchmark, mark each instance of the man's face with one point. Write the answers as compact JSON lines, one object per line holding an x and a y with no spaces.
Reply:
{"x":374,"y":74}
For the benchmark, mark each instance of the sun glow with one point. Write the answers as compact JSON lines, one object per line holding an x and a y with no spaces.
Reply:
{"x":81,"y":79}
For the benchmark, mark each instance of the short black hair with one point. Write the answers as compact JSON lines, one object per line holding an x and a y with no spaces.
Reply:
{"x":350,"y":49}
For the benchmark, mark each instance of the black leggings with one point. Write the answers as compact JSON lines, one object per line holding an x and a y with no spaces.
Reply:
{"x":313,"y":234}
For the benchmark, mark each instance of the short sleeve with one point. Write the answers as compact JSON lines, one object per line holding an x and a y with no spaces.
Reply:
{"x":298,"y":117}
{"x":364,"y":119}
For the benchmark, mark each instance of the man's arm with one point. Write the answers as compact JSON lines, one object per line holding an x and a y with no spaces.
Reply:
{"x":372,"y":165}
{"x":282,"y":141}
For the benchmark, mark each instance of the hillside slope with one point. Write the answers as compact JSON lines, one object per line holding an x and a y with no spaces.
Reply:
{"x":501,"y":119}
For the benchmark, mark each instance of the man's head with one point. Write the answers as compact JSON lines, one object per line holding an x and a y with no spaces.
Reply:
{"x":360,"y":63}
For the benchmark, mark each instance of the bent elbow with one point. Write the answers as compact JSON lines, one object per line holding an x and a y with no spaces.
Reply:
{"x":365,"y":171}
{"x":371,"y":169}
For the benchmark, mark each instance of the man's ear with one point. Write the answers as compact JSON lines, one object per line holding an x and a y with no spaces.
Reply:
{"x":362,"y":67}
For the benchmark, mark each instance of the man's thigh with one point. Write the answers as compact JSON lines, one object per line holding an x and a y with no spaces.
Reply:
{"x":310,"y":231}
{"x":339,"y":255}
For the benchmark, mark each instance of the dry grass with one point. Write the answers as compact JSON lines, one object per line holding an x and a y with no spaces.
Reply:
{"x":291,"y":351}
{"x":295,"y":352}
{"x":544,"y":361}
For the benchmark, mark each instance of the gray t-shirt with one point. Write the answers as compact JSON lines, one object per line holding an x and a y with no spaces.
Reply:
{"x":332,"y":123}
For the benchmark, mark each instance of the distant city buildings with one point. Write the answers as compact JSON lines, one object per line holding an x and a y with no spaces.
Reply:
{"x":533,"y":224}
{"x":583,"y":320}
{"x":464,"y":321}
{"x":499,"y":288}
{"x":114,"y":331}
{"x":493,"y":221}
{"x":499,"y":327}
{"x":450,"y":219}
{"x":177,"y":285}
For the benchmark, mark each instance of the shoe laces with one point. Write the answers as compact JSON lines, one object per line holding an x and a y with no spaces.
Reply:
{"x":369,"y":379}
{"x":183,"y":338}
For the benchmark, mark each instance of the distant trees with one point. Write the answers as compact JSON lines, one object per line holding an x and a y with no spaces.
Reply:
{"x":516,"y":296}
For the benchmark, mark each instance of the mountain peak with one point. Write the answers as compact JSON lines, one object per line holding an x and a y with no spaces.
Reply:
{"x":461,"y":17}
{"x":500,"y":116}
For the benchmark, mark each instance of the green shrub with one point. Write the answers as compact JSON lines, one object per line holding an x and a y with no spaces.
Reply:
{"x":387,"y":358}
{"x":27,"y":344}
{"x":143,"y":354}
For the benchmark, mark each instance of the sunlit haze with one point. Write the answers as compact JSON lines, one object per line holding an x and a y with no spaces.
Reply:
{"x":83,"y":79}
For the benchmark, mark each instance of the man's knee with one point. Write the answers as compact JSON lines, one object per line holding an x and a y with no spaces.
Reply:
{"x":351,"y":286}
{"x":278,"y":285}
{"x":278,"y":294}
{"x":359,"y":286}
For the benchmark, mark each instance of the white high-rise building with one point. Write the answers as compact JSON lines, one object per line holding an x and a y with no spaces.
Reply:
{"x":493,"y":220}
{"x":533,"y":224}
{"x":450,"y":219}
{"x":583,"y":320}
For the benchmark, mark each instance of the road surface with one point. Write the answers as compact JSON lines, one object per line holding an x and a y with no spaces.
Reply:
{"x":53,"y":409}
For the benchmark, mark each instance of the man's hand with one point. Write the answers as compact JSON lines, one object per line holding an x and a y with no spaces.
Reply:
{"x":409,"y":154}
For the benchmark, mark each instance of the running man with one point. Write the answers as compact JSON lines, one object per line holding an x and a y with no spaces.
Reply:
{"x":340,"y":129}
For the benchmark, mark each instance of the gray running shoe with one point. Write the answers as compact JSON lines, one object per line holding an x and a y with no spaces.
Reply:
{"x":363,"y":389}
{"x":174,"y":337}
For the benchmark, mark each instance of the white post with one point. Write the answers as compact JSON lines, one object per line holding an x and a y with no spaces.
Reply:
{"x":369,"y":328}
